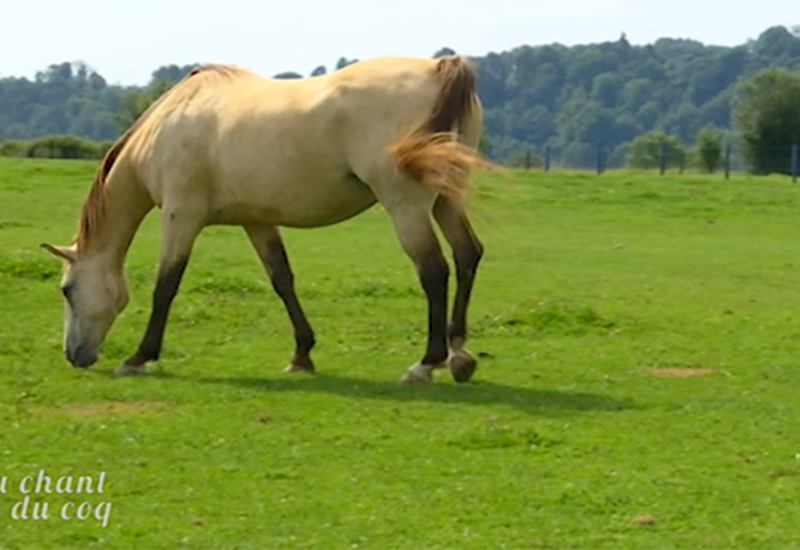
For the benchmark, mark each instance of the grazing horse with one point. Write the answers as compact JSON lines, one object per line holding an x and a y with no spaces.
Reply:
{"x":226,"y":146}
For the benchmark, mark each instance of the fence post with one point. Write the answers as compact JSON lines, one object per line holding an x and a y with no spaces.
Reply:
{"x":599,"y":158}
{"x":662,"y":160}
{"x":794,"y":163}
{"x":547,"y":158}
{"x":528,"y":160}
{"x":727,"y":161}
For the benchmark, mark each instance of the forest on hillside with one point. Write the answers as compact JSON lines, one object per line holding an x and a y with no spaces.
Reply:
{"x":566,"y":99}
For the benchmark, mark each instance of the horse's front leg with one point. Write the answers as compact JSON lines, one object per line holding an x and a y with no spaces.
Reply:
{"x":269,"y":245}
{"x":467,"y":252}
{"x":179,"y":231}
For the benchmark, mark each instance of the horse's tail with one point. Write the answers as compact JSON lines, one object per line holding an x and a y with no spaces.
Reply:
{"x":432,"y":154}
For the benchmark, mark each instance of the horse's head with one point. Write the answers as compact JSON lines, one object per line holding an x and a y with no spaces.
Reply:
{"x":94,"y":294}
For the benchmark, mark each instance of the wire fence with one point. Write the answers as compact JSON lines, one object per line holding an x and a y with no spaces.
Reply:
{"x":785,"y":160}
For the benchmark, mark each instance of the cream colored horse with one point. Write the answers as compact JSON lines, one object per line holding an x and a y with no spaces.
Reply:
{"x":226,"y":146}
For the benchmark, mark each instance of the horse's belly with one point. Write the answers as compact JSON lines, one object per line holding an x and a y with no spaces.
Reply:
{"x":310,"y":204}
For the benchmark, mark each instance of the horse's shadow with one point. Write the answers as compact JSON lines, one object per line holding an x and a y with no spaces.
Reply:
{"x":528,"y":400}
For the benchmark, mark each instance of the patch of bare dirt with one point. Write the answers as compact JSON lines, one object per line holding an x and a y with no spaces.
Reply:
{"x":680,"y":372}
{"x":644,"y":520}
{"x":106,"y":408}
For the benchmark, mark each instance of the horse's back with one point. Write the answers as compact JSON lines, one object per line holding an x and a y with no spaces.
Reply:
{"x":289,"y":152}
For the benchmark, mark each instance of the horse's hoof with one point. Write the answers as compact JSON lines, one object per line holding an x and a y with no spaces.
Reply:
{"x":129,"y":370}
{"x":292,"y":368}
{"x":462,"y":365}
{"x":418,"y":374}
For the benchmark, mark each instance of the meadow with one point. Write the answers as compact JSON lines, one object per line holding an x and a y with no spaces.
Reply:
{"x":638,"y":382}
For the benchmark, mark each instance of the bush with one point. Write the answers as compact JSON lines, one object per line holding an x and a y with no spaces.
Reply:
{"x":767,"y":115}
{"x":64,"y":147}
{"x":103,"y":147}
{"x":15,"y":148}
{"x":55,"y":147}
{"x":645,"y":151}
{"x":523,"y":159}
{"x":708,"y":150}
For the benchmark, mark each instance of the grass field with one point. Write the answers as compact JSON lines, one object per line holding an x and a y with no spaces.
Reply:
{"x":598,"y":296}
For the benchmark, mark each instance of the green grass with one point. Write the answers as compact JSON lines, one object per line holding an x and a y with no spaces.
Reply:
{"x":565,"y":438}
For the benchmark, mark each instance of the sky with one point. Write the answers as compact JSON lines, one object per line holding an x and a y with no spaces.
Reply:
{"x":126,"y":41}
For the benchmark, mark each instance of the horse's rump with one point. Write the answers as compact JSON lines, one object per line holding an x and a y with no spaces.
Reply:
{"x":438,"y":152}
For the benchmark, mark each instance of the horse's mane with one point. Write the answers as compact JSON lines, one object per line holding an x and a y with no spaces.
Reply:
{"x":93,"y":207}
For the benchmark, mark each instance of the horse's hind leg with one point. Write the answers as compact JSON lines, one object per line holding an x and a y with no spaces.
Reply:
{"x":467,"y":252}
{"x":267,"y":242}
{"x":414,"y":229}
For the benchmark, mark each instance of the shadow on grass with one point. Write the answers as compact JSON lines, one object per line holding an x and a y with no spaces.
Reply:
{"x":533,"y":401}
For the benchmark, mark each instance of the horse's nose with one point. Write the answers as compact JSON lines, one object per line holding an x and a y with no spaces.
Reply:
{"x":81,"y":357}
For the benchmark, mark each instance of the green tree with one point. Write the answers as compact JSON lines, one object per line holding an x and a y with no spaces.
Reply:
{"x":637,"y":92}
{"x":288,"y":75}
{"x":344,"y":62}
{"x":606,"y":89}
{"x":767,"y":115}
{"x":645,"y":151}
{"x":135,"y":101}
{"x":171,"y":73}
{"x":708,"y":149}
{"x":444,"y":52}
{"x":776,"y":44}
{"x":683,"y":122}
{"x":566,"y":97}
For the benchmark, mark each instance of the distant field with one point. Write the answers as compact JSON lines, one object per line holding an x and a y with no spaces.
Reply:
{"x":638,"y":385}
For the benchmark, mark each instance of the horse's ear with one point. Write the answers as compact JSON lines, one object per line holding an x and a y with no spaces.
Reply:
{"x":63,"y":252}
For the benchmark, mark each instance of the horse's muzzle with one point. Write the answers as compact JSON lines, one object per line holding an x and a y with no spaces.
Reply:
{"x":81,"y":357}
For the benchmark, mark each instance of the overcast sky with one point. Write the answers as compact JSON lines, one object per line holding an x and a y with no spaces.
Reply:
{"x":126,"y":41}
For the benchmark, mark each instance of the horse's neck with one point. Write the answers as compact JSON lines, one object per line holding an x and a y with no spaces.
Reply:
{"x":125,"y":206}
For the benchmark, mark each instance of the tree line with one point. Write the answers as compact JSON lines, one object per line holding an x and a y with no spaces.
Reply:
{"x":566,"y":100}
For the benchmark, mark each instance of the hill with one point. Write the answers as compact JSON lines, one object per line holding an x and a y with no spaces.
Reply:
{"x":569,"y":99}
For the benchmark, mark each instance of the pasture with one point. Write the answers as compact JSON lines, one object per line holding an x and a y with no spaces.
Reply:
{"x":638,"y":379}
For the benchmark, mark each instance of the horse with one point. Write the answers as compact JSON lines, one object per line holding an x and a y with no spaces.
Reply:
{"x":227,"y":146}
